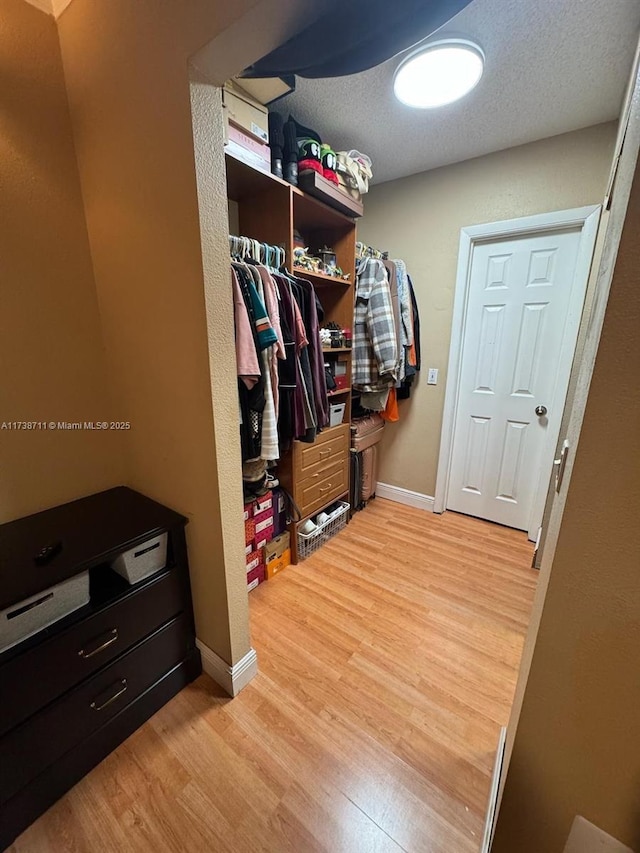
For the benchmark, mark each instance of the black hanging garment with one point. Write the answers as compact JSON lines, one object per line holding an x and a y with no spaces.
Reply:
{"x":404,"y":389}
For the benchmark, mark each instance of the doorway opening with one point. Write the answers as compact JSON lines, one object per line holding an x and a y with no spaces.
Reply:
{"x":319,"y":627}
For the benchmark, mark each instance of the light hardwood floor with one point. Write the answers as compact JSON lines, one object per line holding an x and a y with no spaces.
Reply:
{"x":387,"y":662}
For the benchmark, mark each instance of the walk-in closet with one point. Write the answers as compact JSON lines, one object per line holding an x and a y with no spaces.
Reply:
{"x":319,"y":340}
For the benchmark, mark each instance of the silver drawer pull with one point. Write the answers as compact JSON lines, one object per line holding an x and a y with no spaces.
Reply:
{"x":111,"y":638}
{"x":123,"y":687}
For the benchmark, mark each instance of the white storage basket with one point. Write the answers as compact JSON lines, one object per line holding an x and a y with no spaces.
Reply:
{"x":336,"y":414}
{"x":143,"y":560}
{"x":31,"y":615}
{"x":310,"y":542}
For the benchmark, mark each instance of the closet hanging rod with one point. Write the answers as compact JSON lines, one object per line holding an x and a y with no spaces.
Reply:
{"x":364,"y":251}
{"x":245,"y":248}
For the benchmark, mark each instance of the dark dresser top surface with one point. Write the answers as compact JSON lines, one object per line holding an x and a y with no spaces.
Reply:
{"x":90,"y":530}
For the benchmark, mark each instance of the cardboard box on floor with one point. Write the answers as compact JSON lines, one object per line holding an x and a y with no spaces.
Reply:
{"x":277,"y":554}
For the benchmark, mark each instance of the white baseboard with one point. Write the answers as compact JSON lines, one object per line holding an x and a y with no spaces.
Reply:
{"x":404,"y":496}
{"x":492,"y":808}
{"x":230,"y":678}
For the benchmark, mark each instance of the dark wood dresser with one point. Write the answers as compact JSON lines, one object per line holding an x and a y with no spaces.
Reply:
{"x":72,"y":692}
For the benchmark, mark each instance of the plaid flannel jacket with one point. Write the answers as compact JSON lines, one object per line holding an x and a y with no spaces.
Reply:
{"x":375,"y":348}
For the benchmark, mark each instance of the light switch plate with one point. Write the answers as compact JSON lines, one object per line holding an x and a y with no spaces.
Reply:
{"x":432,"y":376}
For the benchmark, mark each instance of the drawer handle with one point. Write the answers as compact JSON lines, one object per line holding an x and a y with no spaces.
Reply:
{"x":123,"y":687}
{"x":324,"y":453}
{"x":325,"y":489}
{"x":111,"y":638}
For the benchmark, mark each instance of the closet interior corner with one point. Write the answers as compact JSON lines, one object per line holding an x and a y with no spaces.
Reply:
{"x":304,"y":359}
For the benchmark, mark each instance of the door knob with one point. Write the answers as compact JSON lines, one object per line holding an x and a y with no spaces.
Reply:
{"x":541,"y":411}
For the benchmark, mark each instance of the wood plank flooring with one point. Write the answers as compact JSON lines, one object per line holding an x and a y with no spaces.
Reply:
{"x":388,"y":662}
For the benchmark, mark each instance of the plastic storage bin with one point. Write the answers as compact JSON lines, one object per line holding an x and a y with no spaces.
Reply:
{"x":31,"y":615}
{"x":143,"y":560}
{"x":336,"y":414}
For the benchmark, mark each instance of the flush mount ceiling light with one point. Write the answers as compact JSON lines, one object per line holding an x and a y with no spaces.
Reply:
{"x":439,"y":73}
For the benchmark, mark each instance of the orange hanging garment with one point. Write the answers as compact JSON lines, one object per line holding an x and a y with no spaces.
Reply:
{"x":391,"y":413}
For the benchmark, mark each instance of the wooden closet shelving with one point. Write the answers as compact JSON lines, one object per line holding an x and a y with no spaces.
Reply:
{"x":270,"y":210}
{"x":319,"y":278}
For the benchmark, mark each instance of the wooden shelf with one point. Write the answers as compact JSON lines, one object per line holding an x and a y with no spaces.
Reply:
{"x":271,"y":210}
{"x":321,"y":278}
{"x":316,"y":185}
{"x":245,"y":180}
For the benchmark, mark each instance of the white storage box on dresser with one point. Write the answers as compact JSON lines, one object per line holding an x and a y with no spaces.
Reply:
{"x":143,"y":560}
{"x":31,"y":615}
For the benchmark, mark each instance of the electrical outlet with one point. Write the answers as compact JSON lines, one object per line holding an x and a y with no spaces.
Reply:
{"x":432,"y":376}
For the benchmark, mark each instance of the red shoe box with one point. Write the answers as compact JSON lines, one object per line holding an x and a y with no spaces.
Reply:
{"x":254,"y":559}
{"x":249,"y":531}
{"x":255,"y":577}
{"x":263,"y":528}
{"x":262,"y":538}
{"x":262,"y":504}
{"x":249,"y":510}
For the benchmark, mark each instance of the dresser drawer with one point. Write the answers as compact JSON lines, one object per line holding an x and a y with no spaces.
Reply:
{"x":323,"y":468}
{"x":28,"y":749}
{"x":42,"y":673}
{"x":329,"y":444}
{"x":314,"y":495}
{"x":321,"y":471}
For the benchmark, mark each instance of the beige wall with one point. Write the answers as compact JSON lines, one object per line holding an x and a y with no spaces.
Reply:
{"x":52,"y":359}
{"x":419,"y":219}
{"x":168,"y":333}
{"x":127,"y":78}
{"x":577,"y":744}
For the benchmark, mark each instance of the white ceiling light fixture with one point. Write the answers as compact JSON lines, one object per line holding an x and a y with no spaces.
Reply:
{"x":439,"y":73}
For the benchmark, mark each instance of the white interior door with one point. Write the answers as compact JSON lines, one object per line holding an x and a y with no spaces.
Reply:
{"x":519,"y":333}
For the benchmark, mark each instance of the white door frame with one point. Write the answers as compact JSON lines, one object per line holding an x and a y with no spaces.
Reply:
{"x":585,"y":218}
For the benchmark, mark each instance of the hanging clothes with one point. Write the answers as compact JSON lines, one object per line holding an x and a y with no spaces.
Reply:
{"x":311,"y":318}
{"x":271,"y":301}
{"x":375,"y":347}
{"x":414,"y":358}
{"x":269,"y":447}
{"x":246,"y":354}
{"x":251,"y":399}
{"x":406,"y":329}
{"x":395,"y":302}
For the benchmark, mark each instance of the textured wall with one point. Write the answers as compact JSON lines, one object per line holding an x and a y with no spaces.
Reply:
{"x":52,"y":359}
{"x":419,"y":219}
{"x":126,"y":66}
{"x":170,"y":353}
{"x":577,"y":744}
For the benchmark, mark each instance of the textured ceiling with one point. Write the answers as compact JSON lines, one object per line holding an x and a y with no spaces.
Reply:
{"x":551,"y":66}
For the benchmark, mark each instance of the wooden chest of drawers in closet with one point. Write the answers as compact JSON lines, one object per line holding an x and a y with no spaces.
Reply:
{"x":317,"y":474}
{"x":321,"y":469}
